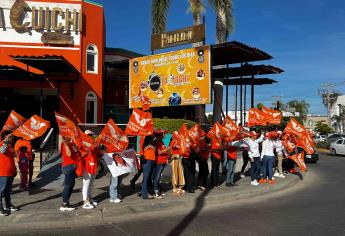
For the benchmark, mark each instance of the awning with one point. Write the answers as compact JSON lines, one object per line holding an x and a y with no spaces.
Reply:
{"x":236,"y":52}
{"x":246,"y":70}
{"x":16,"y":73}
{"x":248,"y":81}
{"x":49,"y":64}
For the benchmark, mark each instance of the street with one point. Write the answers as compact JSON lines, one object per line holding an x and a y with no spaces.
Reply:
{"x":315,"y":206}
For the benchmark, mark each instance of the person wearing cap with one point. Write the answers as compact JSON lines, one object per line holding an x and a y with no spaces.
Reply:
{"x":253,"y":143}
{"x":280,"y":151}
{"x":90,"y":165}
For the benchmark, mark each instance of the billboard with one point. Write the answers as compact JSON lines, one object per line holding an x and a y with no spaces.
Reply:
{"x":171,"y":79}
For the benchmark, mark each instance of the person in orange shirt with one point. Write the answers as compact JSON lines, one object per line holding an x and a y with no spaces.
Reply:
{"x":216,"y":156}
{"x":231,"y":163}
{"x":147,"y":163}
{"x":161,"y":161}
{"x":7,"y":172}
{"x":31,"y":156}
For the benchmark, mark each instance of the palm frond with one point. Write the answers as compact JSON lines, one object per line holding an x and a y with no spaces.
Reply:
{"x":196,"y":7}
{"x":224,"y":18}
{"x":159,"y":15}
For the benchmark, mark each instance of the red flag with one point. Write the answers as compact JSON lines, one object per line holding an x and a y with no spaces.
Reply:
{"x":256,"y":117}
{"x":32,"y":128}
{"x":299,"y":160}
{"x":305,"y":143}
{"x":217,"y":133}
{"x":182,"y":138}
{"x":66,"y":127}
{"x":146,"y":102}
{"x":295,"y":128}
{"x":140,"y":123}
{"x":231,"y":128}
{"x":273,"y":117}
{"x":195,"y":133}
{"x":114,"y":138}
{"x":242,"y":134}
{"x":13,"y":121}
{"x":289,"y":142}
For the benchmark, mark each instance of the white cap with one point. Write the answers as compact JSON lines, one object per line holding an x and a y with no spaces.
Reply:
{"x":88,"y":132}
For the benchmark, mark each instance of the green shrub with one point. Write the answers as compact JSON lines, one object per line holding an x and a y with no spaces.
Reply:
{"x":323,"y":144}
{"x":171,"y":124}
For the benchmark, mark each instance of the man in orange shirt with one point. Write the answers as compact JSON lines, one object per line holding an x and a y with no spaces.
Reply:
{"x":7,"y":172}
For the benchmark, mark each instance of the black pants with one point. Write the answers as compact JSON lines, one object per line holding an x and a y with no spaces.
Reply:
{"x":70,"y":175}
{"x":245,"y":160}
{"x":188,"y":167}
{"x":255,"y":168}
{"x":203,"y":171}
{"x":215,"y":172}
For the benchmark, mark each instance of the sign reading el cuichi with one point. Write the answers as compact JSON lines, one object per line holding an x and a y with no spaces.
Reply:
{"x":40,"y":22}
{"x":178,"y":37}
{"x":171,"y":79}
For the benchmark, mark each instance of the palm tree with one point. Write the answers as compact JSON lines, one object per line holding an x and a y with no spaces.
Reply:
{"x":300,"y":106}
{"x":159,"y":14}
{"x":339,"y":119}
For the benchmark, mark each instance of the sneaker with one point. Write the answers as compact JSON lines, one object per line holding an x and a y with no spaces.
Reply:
{"x":282,"y":176}
{"x":255,"y":183}
{"x":116,"y":200}
{"x":3,"y":212}
{"x":149,"y":197}
{"x":262,"y":181}
{"x":242,"y":175}
{"x":66,"y":207}
{"x":12,"y":208}
{"x":88,"y":205}
{"x":271,"y":181}
{"x":276,"y":174}
{"x":93,"y":202}
{"x":158,"y":196}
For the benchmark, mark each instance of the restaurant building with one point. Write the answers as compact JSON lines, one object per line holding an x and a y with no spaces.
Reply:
{"x":51,"y":59}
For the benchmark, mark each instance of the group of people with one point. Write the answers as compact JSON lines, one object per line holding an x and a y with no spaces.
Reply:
{"x":265,"y":154}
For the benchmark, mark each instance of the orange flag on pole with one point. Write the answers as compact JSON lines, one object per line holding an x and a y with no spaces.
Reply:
{"x":231,"y":128}
{"x":32,"y":128}
{"x":256,"y":117}
{"x":67,"y":128}
{"x":114,"y":138}
{"x":140,"y":123}
{"x":273,"y":117}
{"x":13,"y":121}
{"x":295,"y":128}
{"x":305,"y":143}
{"x":289,"y":142}
{"x":299,"y":160}
{"x":195,"y":133}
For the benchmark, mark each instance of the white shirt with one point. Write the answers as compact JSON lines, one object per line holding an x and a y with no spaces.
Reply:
{"x":253,"y":145}
{"x":280,"y":148}
{"x":268,"y":148}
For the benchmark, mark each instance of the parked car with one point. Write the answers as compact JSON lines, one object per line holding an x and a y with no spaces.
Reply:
{"x":338,"y":147}
{"x":313,"y":158}
{"x":334,"y":137}
{"x":320,"y":138}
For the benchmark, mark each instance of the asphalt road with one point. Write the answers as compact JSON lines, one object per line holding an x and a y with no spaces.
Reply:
{"x":315,"y":206}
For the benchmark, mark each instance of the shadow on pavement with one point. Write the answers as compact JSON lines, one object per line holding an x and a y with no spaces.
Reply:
{"x":183,"y":224}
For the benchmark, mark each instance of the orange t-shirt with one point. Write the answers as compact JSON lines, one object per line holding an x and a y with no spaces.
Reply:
{"x":174,"y":150}
{"x":216,"y":152}
{"x":149,"y":154}
{"x":231,"y":152}
{"x":66,"y":159}
{"x":161,"y":158}
{"x":7,"y":165}
{"x":23,"y":143}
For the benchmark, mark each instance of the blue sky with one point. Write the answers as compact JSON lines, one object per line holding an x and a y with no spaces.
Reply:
{"x":306,"y":39}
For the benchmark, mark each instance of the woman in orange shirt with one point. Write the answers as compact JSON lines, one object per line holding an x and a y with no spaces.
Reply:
{"x":216,"y":157}
{"x":146,"y":165}
{"x":177,"y":176}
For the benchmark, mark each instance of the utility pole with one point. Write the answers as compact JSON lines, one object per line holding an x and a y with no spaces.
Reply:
{"x":325,"y":91}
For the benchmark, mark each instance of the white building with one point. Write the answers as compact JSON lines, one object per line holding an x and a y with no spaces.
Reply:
{"x":335,"y":111}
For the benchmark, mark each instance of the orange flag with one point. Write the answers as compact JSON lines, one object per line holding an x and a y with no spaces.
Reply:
{"x":140,"y":123}
{"x":217,"y":133}
{"x":295,"y":128}
{"x":32,"y":128}
{"x":299,"y":160}
{"x":242,"y":134}
{"x":256,"y":117}
{"x":274,"y":117}
{"x":305,"y":143}
{"x":13,"y":121}
{"x":195,"y":133}
{"x":114,"y":138}
{"x":67,"y":128}
{"x":182,"y":138}
{"x":231,"y":128}
{"x":289,"y":142}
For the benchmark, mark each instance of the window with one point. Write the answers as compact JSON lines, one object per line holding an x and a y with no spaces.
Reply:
{"x":92,"y":59}
{"x":91,"y":108}
{"x":339,"y":141}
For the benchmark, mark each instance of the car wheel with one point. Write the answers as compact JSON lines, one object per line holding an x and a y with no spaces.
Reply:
{"x":334,"y":152}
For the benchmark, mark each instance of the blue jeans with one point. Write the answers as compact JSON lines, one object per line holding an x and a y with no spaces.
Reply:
{"x":267,"y":167}
{"x":157,"y":175}
{"x":147,"y":166}
{"x":230,"y":165}
{"x":6,"y":190}
{"x":115,"y":183}
{"x":70,"y":175}
{"x":255,"y":168}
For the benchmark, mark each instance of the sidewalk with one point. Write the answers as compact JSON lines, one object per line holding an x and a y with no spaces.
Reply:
{"x":39,"y":207}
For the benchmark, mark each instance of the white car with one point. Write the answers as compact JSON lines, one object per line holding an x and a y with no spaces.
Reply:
{"x":338,"y":147}
{"x":320,"y":138}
